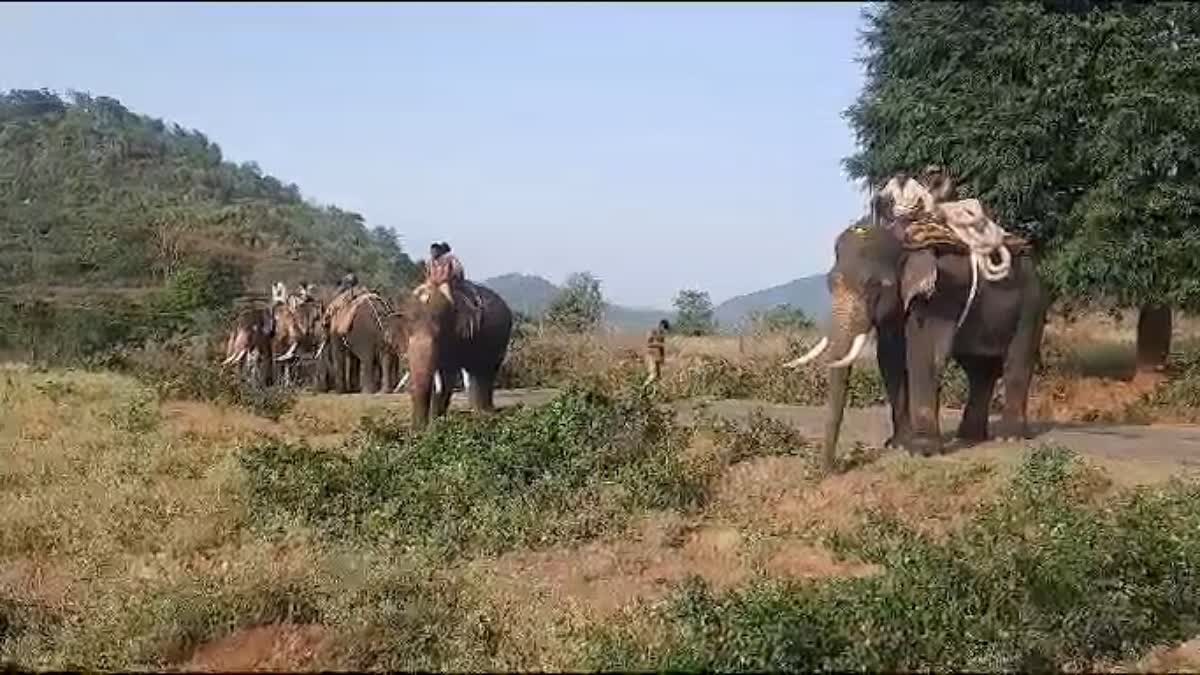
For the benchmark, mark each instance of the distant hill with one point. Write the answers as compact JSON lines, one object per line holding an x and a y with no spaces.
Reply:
{"x":104,"y":199}
{"x":531,"y":295}
{"x":807,"y":293}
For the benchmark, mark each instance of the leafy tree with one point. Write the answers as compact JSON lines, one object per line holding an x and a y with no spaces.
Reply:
{"x":780,"y":319}
{"x":579,"y":306}
{"x":694,"y":313}
{"x":1074,"y":121}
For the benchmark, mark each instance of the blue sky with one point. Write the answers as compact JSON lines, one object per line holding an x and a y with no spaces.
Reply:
{"x":660,"y":146}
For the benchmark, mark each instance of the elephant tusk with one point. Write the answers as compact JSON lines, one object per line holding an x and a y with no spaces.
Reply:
{"x":290,"y":353}
{"x":400,"y":385}
{"x":855,"y":349}
{"x":321,"y":349}
{"x":437,"y":382}
{"x":235,"y":357}
{"x":466,"y":381}
{"x":810,"y":355}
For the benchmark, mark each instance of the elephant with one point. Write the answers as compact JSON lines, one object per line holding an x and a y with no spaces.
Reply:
{"x":299,"y":329}
{"x":925,"y":306}
{"x":446,"y":327}
{"x":357,"y":353}
{"x":250,"y":344}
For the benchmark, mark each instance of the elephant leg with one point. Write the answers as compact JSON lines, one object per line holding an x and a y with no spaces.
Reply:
{"x":387,"y":371}
{"x":266,"y":365}
{"x":481,"y":391}
{"x":1021,"y":359}
{"x":982,"y":373}
{"x":368,"y":375}
{"x":441,"y":398}
{"x":928,"y":340}
{"x":890,"y":354}
{"x":353,"y":381}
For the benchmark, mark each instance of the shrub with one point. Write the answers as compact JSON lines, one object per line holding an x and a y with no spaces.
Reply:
{"x":174,"y":375}
{"x":571,"y":469}
{"x":1041,"y":579}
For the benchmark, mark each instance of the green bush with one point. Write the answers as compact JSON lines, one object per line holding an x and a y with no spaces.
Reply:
{"x":571,"y":469}
{"x":1040,"y":580}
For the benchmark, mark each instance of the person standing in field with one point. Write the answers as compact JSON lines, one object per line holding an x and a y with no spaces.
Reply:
{"x":656,"y":350}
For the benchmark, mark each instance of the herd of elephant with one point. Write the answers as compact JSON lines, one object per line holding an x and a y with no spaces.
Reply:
{"x":357,"y":340}
{"x":924,"y":303}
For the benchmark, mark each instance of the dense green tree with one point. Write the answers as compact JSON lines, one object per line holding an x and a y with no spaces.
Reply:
{"x":1076,"y":122}
{"x":694,"y":313}
{"x":579,"y":306}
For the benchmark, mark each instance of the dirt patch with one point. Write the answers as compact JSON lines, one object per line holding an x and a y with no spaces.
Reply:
{"x":602,"y":577}
{"x":44,"y":583}
{"x":277,"y":647}
{"x":1182,"y":658}
{"x":1089,"y":399}
{"x":775,"y":494}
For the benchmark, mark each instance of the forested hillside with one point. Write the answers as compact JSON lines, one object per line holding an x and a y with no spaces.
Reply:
{"x":96,"y":197}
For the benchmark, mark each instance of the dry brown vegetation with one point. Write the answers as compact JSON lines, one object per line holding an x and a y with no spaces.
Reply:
{"x":127,"y":538}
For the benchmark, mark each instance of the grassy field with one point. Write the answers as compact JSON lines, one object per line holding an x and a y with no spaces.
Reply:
{"x":167,"y":518}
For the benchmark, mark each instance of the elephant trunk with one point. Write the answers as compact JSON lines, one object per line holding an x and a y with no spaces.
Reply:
{"x":422,"y":363}
{"x":851,"y":325}
{"x":839,"y":378}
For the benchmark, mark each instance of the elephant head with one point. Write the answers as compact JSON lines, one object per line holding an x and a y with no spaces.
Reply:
{"x":250,"y":338}
{"x":865,"y":288}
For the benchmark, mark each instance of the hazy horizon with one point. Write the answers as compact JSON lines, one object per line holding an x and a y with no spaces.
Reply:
{"x":657,"y":146}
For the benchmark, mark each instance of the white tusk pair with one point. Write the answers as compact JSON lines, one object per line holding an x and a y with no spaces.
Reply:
{"x":290,"y":353}
{"x":437,"y":382}
{"x":856,"y":348}
{"x":812,"y":354}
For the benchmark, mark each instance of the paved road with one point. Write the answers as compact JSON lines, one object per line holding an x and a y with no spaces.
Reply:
{"x":1176,"y":444}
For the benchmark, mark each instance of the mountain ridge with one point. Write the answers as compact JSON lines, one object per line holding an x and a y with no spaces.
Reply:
{"x":531,"y":294}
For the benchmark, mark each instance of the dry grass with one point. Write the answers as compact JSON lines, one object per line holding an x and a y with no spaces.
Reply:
{"x":124,"y":536}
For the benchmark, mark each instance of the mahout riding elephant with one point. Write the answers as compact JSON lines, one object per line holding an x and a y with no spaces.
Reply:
{"x":299,"y":330}
{"x":927,"y":304}
{"x":447,"y":327}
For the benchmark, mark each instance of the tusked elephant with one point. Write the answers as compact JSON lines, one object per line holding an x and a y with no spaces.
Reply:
{"x":917,"y":303}
{"x":446,"y":328}
{"x":250,"y":343}
{"x":299,"y":329}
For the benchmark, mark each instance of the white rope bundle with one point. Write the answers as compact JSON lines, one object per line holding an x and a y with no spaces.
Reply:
{"x":984,"y":238}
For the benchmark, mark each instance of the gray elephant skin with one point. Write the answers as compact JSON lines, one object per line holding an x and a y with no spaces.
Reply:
{"x":447,"y":329}
{"x":356,"y":354}
{"x":914,"y":300}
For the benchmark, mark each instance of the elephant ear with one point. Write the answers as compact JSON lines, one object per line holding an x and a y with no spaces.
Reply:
{"x":468,"y":310}
{"x":919,"y":276}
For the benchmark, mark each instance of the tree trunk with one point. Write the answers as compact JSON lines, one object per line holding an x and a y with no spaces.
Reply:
{"x":1153,"y":337}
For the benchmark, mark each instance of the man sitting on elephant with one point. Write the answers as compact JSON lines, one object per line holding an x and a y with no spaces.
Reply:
{"x":905,"y":200}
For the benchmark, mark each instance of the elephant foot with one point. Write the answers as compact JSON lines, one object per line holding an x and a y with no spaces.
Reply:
{"x":924,"y":446}
{"x":972,"y":434}
{"x":1013,"y":432}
